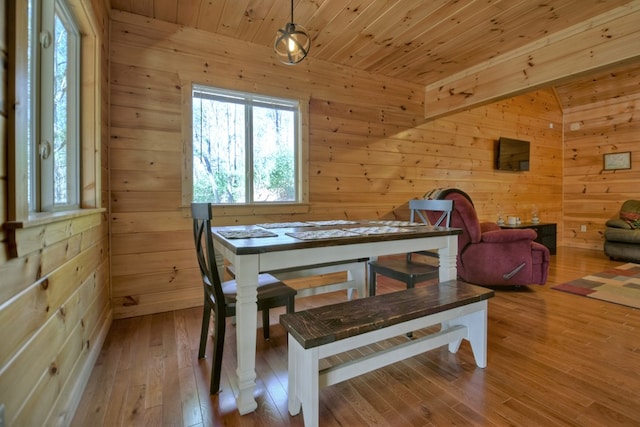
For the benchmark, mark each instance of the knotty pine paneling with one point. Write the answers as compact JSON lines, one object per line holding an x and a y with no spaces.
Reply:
{"x":147,"y":283}
{"x":54,"y":296}
{"x":591,"y":194}
{"x":417,"y":41}
{"x":617,"y":83}
{"x":4,"y":117}
{"x":369,"y":149}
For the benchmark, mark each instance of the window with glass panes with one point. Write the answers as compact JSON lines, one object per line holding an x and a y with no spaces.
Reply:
{"x":245,"y":147}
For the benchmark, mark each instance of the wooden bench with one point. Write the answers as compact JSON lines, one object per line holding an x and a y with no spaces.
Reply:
{"x":317,"y":333}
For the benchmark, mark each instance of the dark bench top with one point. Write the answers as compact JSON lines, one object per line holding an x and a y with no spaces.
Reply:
{"x":329,"y":323}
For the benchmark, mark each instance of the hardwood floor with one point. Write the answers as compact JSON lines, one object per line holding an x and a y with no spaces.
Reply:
{"x":554,"y":359}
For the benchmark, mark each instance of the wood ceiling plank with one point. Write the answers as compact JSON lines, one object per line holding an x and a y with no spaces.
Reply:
{"x":342,"y":46}
{"x":166,"y":10}
{"x":505,"y":33}
{"x":317,"y":19}
{"x":255,"y":15}
{"x":497,"y":29}
{"x":188,"y":12}
{"x":412,"y":40}
{"x":277,"y":17}
{"x":121,"y":5}
{"x":143,"y":7}
{"x":398,"y":37}
{"x":611,"y":84}
{"x":445,"y":58}
{"x":341,"y":27}
{"x":500,"y":34}
{"x":210,"y":13}
{"x":382,"y":24}
{"x":418,"y":42}
{"x":232,"y":15}
{"x":608,"y":40}
{"x":436,"y":48}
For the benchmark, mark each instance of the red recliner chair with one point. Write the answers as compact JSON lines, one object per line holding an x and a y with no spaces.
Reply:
{"x":489,"y":255}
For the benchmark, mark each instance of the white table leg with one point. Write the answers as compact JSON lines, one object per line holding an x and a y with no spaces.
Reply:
{"x":246,"y":321}
{"x":358,"y":276}
{"x":447,"y":257}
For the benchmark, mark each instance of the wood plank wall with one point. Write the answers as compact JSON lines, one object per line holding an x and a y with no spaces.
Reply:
{"x":4,"y":112}
{"x":591,"y":194}
{"x":54,"y":300}
{"x":369,"y":153}
{"x":370,"y":150}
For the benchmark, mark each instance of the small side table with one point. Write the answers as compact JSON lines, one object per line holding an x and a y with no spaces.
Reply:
{"x":546,"y":233}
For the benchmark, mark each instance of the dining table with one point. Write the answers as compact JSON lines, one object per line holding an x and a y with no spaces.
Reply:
{"x":258,"y":248}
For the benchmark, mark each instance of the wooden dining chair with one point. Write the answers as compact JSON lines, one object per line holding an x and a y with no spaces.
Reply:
{"x":409,"y":269}
{"x":220,"y":297}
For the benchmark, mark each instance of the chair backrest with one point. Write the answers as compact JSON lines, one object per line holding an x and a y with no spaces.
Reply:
{"x":428,"y":211}
{"x":203,"y":239}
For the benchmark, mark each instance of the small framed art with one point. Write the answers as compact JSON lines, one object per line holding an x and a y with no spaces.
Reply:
{"x":613,"y":161}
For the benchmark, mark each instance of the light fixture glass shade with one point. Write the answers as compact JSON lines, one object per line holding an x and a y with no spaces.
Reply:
{"x":292,"y":44}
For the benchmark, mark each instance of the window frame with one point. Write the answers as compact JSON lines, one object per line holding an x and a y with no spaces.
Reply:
{"x":43,"y":169}
{"x":90,"y":122}
{"x":302,"y":160}
{"x":247,"y":102}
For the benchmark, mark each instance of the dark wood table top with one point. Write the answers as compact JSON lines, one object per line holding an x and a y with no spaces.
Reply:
{"x":526,"y":224}
{"x":329,"y":323}
{"x":283,"y":240}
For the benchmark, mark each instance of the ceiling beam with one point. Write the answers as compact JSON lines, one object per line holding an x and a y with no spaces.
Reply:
{"x":605,"y":41}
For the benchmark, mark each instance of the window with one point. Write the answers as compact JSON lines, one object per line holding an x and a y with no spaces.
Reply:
{"x":245,"y":147}
{"x":48,"y":61}
{"x":53,"y":63}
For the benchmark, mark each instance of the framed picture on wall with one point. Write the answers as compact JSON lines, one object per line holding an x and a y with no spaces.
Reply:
{"x":613,"y":161}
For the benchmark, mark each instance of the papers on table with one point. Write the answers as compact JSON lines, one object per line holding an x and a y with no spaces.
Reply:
{"x":246,"y":234}
{"x":322,"y":234}
{"x":380,"y":230}
{"x":285,"y":224}
{"x":398,"y":223}
{"x":332,"y":222}
{"x":347,"y":232}
{"x":376,"y":227}
{"x":297,"y":224}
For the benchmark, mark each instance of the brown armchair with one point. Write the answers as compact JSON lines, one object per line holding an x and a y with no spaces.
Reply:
{"x":488,"y":255}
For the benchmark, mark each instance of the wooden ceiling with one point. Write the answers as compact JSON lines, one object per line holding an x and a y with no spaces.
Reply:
{"x":419,"y":41}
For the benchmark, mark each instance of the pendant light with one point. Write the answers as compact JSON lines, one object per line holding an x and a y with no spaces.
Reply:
{"x":292,"y":42}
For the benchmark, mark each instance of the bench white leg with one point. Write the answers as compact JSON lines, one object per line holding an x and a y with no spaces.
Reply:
{"x":308,"y":386}
{"x":294,"y":371}
{"x":476,"y":324}
{"x":454,"y":346}
{"x":304,"y":385}
{"x":478,"y":337}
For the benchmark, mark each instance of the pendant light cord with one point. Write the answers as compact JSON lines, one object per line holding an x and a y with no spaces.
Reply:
{"x":292,"y":11}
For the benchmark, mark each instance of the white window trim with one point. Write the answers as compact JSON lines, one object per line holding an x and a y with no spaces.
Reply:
{"x":44,"y":195}
{"x":301,"y":206}
{"x":91,"y":124}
